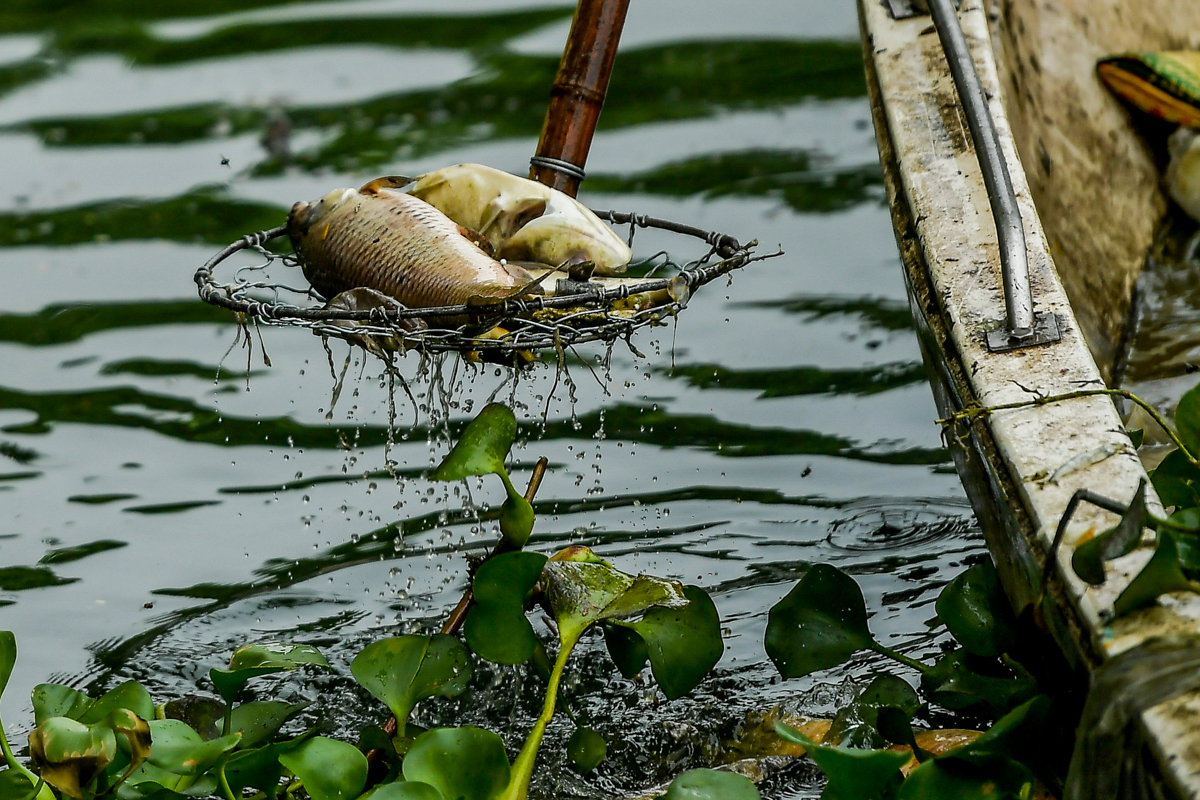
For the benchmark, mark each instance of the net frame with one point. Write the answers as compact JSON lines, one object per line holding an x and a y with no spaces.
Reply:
{"x":590,"y":315}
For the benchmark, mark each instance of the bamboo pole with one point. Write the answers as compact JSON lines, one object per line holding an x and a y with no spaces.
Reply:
{"x":578,"y":94}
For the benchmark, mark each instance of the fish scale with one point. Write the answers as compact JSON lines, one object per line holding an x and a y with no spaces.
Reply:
{"x":396,"y":244}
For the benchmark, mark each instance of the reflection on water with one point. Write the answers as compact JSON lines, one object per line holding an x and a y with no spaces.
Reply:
{"x":167,"y":500}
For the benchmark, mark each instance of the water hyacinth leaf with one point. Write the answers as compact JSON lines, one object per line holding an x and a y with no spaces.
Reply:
{"x":853,"y":774}
{"x":683,"y":644}
{"x":131,"y":695}
{"x":403,"y":670}
{"x":69,"y":754}
{"x":181,"y":751}
{"x":1187,"y":543}
{"x":251,"y":660}
{"x":1187,"y":420}
{"x":586,"y":748}
{"x":854,"y":725}
{"x":56,"y":700}
{"x":627,"y":649}
{"x":957,"y":682}
{"x":257,"y":769}
{"x":465,"y":763}
{"x":8,"y":657}
{"x":1162,"y":574}
{"x":202,"y":714}
{"x":819,"y":624}
{"x":405,"y":790}
{"x":516,"y":521}
{"x":136,"y":733}
{"x":496,"y":627}
{"x":1088,"y":559}
{"x":329,"y":769}
{"x":977,"y":613}
{"x":482,"y":447}
{"x":258,"y":721}
{"x":1177,"y":481}
{"x":933,"y":780}
{"x":711,"y":784}
{"x":896,"y":727}
{"x":14,"y":785}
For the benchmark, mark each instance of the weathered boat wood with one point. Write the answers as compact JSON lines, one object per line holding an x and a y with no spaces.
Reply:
{"x":1012,"y":462}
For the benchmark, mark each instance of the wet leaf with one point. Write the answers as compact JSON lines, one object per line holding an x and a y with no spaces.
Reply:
{"x":404,"y":790}
{"x":1177,"y":481}
{"x":496,"y":627}
{"x":462,"y":763}
{"x":403,"y":670}
{"x":516,"y":521}
{"x":482,"y":447}
{"x":136,"y":733}
{"x":251,"y":660}
{"x":131,"y":695}
{"x":181,"y":751}
{"x":56,"y":700}
{"x":819,"y":624}
{"x":329,"y":769}
{"x":14,"y":785}
{"x":627,"y":649}
{"x":853,"y":774}
{"x":69,"y":754}
{"x":1162,"y":574}
{"x":896,"y":727}
{"x":1187,"y":544}
{"x":258,"y":721}
{"x":586,"y":748}
{"x":258,"y":769}
{"x":1187,"y":419}
{"x":975,"y":609}
{"x":1088,"y":559}
{"x":957,"y":682}
{"x":202,"y":714}
{"x":711,"y":784}
{"x":935,"y":780}
{"x":683,"y":644}
{"x":854,"y":724}
{"x":8,"y":657}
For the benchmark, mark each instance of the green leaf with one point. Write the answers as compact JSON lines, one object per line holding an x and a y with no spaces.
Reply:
{"x":69,"y":754}
{"x":496,"y":627}
{"x":895,"y":726}
{"x":56,"y":700}
{"x":1188,"y":543}
{"x":936,"y":780}
{"x":251,"y":660}
{"x":1088,"y":559}
{"x":854,"y":724}
{"x":403,"y":670}
{"x":1187,"y":419}
{"x":711,"y":784}
{"x":819,"y":624}
{"x":15,"y":785}
{"x":516,"y":521}
{"x":131,"y":695}
{"x":1162,"y":574}
{"x":329,"y":769}
{"x":975,"y":609}
{"x":258,"y":721}
{"x":957,"y":681}
{"x":462,"y":763}
{"x":136,"y":733}
{"x":404,"y":790}
{"x":584,"y":589}
{"x":586,"y":748}
{"x":853,"y":774}
{"x":181,"y":751}
{"x":482,"y":447}
{"x":8,"y":657}
{"x":683,"y":644}
{"x":627,"y":649}
{"x":1177,"y":481}
{"x":258,"y":769}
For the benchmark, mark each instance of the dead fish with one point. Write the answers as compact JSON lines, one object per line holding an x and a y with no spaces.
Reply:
{"x":523,"y":219}
{"x":397,"y":244}
{"x":1183,"y":173}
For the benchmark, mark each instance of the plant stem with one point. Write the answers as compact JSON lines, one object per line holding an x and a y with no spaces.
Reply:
{"x":903,"y":659}
{"x":12,"y":759}
{"x":522,"y":771}
{"x":227,"y":723}
{"x":225,"y":787}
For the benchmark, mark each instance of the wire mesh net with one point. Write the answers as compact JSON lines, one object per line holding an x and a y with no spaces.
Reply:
{"x":273,"y":290}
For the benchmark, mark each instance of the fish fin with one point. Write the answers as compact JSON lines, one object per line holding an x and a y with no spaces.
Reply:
{"x":386,"y":182}
{"x":479,"y":240}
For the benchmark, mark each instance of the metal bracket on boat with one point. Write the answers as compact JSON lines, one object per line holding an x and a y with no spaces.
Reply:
{"x":1022,"y":327}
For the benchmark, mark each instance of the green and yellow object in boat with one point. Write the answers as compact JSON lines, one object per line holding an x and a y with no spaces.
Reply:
{"x":1166,"y":84}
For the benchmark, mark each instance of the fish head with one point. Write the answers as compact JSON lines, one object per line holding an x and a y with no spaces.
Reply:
{"x":305,"y":215}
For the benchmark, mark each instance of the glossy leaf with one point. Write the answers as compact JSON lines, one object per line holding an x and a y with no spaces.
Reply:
{"x":1088,"y":559}
{"x":131,"y":695}
{"x":586,"y":748}
{"x":14,"y":785}
{"x":516,"y":521}
{"x":853,"y":774}
{"x":258,"y":721}
{"x":257,"y":768}
{"x":403,"y":670}
{"x":8,"y":657}
{"x":404,"y":790}
{"x":935,"y":780}
{"x":135,"y":731}
{"x":69,"y":754}
{"x":1187,"y":419}
{"x":711,"y":784}
{"x":854,"y":725}
{"x":56,"y":700}
{"x":462,"y":763}
{"x":180,"y":750}
{"x":251,"y":660}
{"x":683,"y":644}
{"x":957,"y":683}
{"x":1177,"y":481}
{"x":1162,"y":574}
{"x":1187,"y":544}
{"x":329,"y":769}
{"x":496,"y":627}
{"x":627,"y":649}
{"x":975,"y":609}
{"x":819,"y":624}
{"x":482,"y":447}
{"x":895,"y":726}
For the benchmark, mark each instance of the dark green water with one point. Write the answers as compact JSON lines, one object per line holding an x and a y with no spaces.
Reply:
{"x":155,"y":516}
